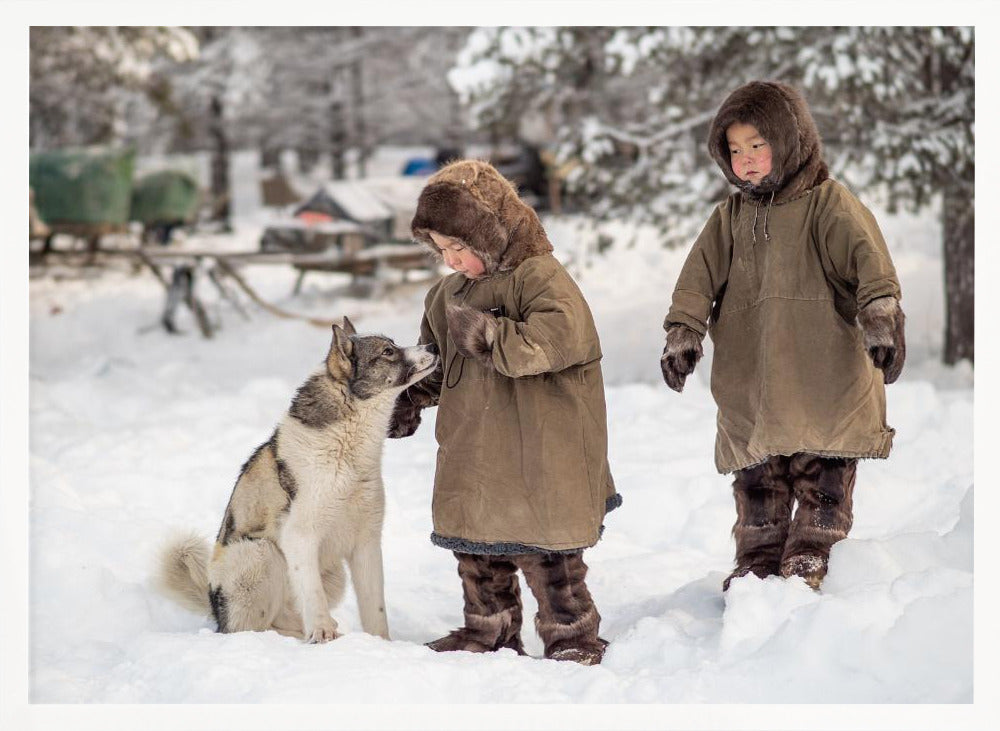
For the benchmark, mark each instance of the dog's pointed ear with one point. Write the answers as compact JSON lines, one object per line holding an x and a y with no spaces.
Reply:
{"x":349,"y":327}
{"x":338,"y":361}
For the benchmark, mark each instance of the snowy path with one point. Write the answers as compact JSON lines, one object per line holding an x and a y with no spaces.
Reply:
{"x":133,"y":435}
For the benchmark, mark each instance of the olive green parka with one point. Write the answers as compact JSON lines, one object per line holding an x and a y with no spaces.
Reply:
{"x":779,"y":274}
{"x":521,"y":428}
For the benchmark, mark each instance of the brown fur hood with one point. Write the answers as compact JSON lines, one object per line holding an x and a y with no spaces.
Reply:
{"x":471,"y":201}
{"x":782,"y":117}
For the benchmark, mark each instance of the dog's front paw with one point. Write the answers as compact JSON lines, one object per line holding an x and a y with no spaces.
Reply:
{"x":324,"y":631}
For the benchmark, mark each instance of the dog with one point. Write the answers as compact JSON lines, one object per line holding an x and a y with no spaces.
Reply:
{"x":307,"y":500}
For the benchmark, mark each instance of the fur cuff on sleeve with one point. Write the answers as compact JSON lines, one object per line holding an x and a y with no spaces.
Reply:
{"x":681,"y":338}
{"x":473,"y":332}
{"x":404,"y":420}
{"x":882,"y":322}
{"x":681,"y":353}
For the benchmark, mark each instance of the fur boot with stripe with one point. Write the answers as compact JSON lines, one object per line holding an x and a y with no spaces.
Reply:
{"x":567,"y":620}
{"x":769,"y":540}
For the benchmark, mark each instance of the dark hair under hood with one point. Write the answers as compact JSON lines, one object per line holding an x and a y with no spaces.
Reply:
{"x":782,"y":117}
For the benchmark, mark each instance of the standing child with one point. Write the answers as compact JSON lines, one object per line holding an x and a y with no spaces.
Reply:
{"x":802,"y":302}
{"x":522,"y":478}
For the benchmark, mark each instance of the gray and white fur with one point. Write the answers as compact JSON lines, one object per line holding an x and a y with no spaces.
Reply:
{"x":307,"y":500}
{"x":883,"y":324}
{"x":681,"y":354}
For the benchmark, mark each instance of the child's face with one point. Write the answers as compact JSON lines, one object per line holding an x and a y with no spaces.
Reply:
{"x":458,"y":256}
{"x":749,"y":153}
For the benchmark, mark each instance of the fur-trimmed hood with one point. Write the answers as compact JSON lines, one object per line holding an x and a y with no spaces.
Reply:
{"x":782,"y":117}
{"x":471,"y":201}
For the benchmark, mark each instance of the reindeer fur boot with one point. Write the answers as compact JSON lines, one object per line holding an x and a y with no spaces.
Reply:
{"x":567,"y":620}
{"x":492,"y":607}
{"x":763,"y":513}
{"x":824,"y":488}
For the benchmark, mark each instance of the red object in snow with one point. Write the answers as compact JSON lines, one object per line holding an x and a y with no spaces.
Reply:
{"x":311,"y":218}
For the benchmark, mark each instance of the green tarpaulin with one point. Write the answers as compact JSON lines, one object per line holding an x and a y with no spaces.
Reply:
{"x":82,"y":185}
{"x":165,"y":197}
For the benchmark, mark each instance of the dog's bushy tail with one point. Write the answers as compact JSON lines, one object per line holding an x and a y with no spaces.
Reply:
{"x":183,"y":572}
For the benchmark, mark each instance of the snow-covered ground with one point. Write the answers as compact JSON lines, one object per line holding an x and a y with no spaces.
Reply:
{"x":134,"y":432}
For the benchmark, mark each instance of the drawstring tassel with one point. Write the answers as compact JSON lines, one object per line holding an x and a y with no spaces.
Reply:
{"x":767,"y":236}
{"x":470,"y":284}
{"x":753,"y":229}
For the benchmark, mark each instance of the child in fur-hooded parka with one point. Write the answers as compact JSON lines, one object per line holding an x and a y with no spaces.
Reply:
{"x":522,"y":478}
{"x":793,"y":281}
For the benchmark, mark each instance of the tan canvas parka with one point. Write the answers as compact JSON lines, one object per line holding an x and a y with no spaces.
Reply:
{"x":779,"y":277}
{"x":522,"y":455}
{"x":522,"y":439}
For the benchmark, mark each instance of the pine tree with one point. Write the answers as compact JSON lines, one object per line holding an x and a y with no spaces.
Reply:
{"x":631,"y":109}
{"x":903,"y":101}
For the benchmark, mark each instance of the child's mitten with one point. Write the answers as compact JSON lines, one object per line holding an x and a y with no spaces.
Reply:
{"x":881,"y":321}
{"x":473,"y":332}
{"x":406,"y":413}
{"x":405,"y":418}
{"x":680,"y":354}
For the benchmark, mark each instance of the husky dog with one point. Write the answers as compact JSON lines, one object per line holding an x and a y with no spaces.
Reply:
{"x":308,"y":499}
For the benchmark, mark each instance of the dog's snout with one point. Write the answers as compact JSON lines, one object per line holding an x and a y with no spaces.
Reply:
{"x":432,"y":348}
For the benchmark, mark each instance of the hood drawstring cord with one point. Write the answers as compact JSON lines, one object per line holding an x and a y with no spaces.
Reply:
{"x":451,"y":367}
{"x":767,"y":236}
{"x":756,"y":210}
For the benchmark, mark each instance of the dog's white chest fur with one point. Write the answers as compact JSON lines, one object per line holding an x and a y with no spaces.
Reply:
{"x":337,"y":471}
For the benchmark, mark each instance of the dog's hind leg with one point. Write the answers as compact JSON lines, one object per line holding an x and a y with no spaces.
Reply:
{"x":368,"y":581}
{"x":288,"y":622}
{"x":247,"y":580}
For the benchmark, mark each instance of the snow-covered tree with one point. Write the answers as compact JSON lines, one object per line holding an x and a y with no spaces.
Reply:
{"x":407,"y":96}
{"x":82,"y":79}
{"x":318,"y":90}
{"x":504,"y":74}
{"x":901,"y":103}
{"x":630,"y":108}
{"x":332,"y":90}
{"x":215,"y":101}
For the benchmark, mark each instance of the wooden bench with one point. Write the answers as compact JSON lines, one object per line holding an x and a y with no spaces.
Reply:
{"x":184,"y":267}
{"x":367,"y":262}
